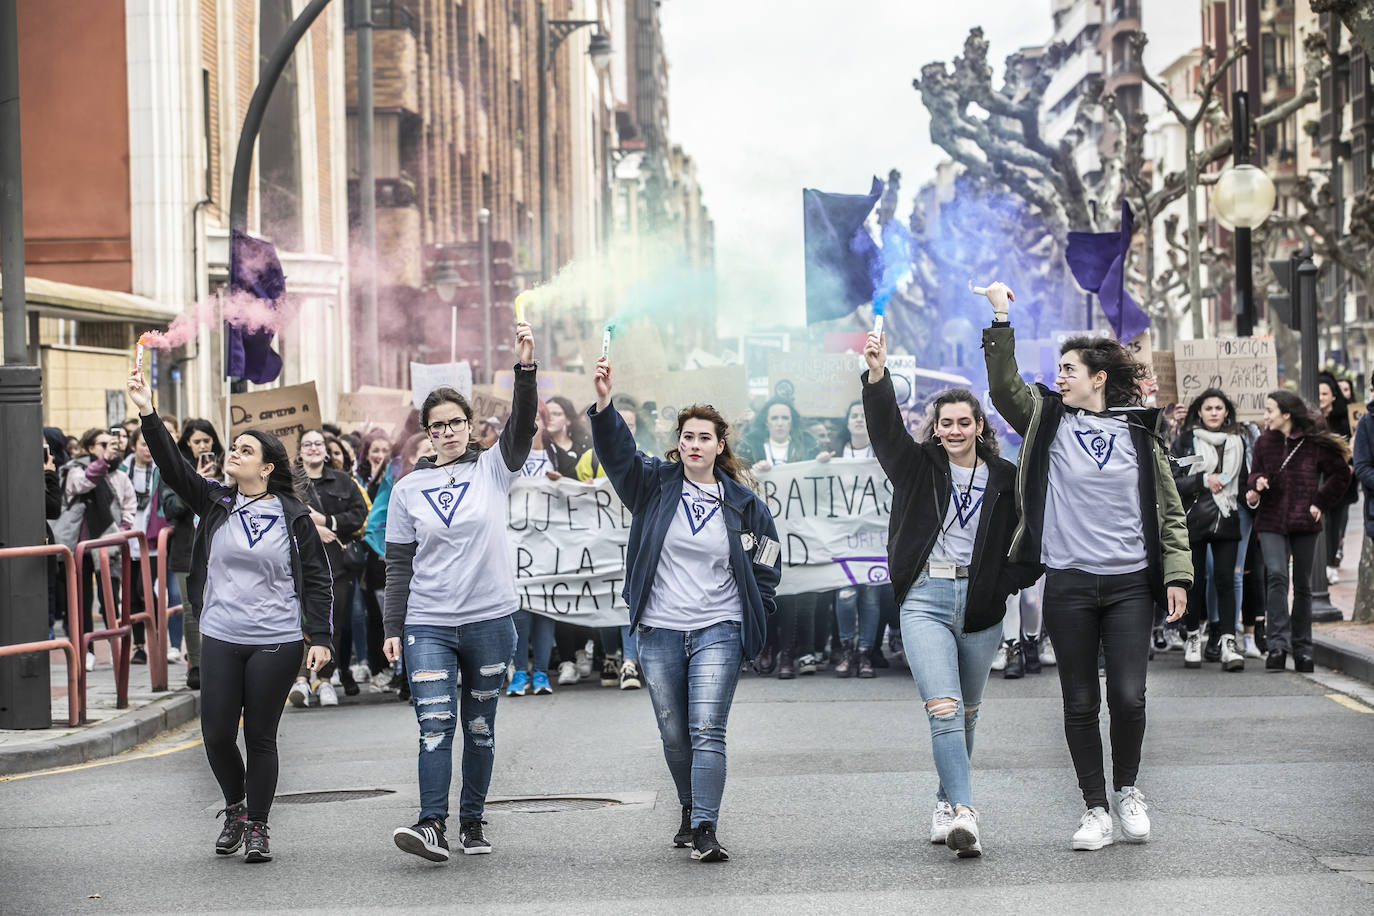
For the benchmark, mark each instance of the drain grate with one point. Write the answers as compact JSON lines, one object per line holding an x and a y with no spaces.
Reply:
{"x":331,"y":795}
{"x":542,"y":805}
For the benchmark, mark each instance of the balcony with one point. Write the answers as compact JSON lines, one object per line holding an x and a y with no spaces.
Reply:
{"x":396,"y":75}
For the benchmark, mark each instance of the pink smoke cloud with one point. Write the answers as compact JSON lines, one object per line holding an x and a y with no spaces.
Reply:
{"x":241,"y":309}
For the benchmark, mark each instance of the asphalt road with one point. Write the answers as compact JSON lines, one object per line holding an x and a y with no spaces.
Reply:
{"x":1260,"y":786}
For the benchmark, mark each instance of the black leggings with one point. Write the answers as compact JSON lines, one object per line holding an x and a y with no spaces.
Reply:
{"x":1224,"y":577}
{"x":1081,"y":612}
{"x":251,"y":681}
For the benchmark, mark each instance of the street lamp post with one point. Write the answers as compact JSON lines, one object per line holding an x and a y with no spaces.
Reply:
{"x":1242,"y":200}
{"x":552,"y":33}
{"x":1240,"y":147}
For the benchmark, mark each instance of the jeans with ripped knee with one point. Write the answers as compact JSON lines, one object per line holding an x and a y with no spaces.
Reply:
{"x":691,"y":676}
{"x":434,"y":655}
{"x":951,"y":669}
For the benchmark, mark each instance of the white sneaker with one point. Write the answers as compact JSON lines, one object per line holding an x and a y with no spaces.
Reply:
{"x":584,"y":663}
{"x":999,"y":661}
{"x":1192,"y":650}
{"x":90,"y":661}
{"x":963,"y":835}
{"x":1047,"y":656}
{"x":1094,"y":830}
{"x":1231,"y":660}
{"x":1172,"y":639}
{"x":335,"y":679}
{"x":567,"y":674}
{"x":1251,"y":647}
{"x":299,"y":695}
{"x":940,"y":822}
{"x":173,"y":656}
{"x":1333,"y":575}
{"x":325,"y":693}
{"x":361,"y":673}
{"x":1130,"y":807}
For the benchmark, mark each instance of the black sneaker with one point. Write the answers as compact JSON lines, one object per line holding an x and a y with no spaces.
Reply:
{"x":193,"y":677}
{"x":1016,"y":661}
{"x":471,"y":839}
{"x":1030,"y":654}
{"x":235,"y":825}
{"x":683,"y":838}
{"x":255,"y":847}
{"x":1277,"y":660}
{"x":705,"y":846}
{"x":610,"y":672}
{"x":140,"y":657}
{"x":1211,"y":652}
{"x":426,"y":840}
{"x":348,"y":682}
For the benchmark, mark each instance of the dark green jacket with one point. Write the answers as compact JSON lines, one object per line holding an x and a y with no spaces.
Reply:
{"x":1034,"y":411}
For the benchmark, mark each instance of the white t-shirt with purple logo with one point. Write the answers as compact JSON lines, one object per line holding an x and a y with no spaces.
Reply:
{"x":695,"y":585}
{"x":1092,"y":505}
{"x":960,"y":526}
{"x":250,"y":590}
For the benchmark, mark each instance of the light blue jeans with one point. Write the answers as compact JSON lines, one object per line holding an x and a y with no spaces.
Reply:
{"x":692,"y":676}
{"x":533,"y":634}
{"x":861,"y":605}
{"x":948,"y":664}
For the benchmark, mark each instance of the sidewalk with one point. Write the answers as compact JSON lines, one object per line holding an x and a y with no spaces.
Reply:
{"x":108,"y":730}
{"x":1347,"y":646}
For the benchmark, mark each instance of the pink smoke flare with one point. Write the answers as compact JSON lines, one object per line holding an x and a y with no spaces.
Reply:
{"x":241,"y":309}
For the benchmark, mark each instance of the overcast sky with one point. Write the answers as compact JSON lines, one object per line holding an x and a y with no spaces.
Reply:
{"x":770,"y":97}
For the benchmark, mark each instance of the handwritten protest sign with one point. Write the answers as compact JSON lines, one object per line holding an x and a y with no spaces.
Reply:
{"x":486,"y":404}
{"x":818,"y":384}
{"x":424,"y":378}
{"x":284,"y":412}
{"x":569,"y":538}
{"x":363,"y":410}
{"x":1355,"y":411}
{"x":1166,"y":380}
{"x":1246,"y":368}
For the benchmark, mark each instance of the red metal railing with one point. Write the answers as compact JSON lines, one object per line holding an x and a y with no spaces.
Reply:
{"x":76,"y":671}
{"x":163,"y":610}
{"x":119,"y":630}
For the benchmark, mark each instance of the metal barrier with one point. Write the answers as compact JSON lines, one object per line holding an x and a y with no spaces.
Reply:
{"x":76,"y":671}
{"x":119,"y":632}
{"x":163,"y":610}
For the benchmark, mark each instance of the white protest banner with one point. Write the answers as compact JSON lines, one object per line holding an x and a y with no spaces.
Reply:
{"x":817,"y":384}
{"x":569,"y":538}
{"x":284,"y":412}
{"x":569,"y":543}
{"x":424,"y":378}
{"x":832,"y":522}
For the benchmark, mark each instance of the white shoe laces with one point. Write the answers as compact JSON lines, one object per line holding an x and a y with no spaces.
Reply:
{"x":1132,"y":802}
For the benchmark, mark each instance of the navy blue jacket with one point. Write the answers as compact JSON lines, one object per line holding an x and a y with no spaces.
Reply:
{"x":1364,"y":467}
{"x":651,"y":488}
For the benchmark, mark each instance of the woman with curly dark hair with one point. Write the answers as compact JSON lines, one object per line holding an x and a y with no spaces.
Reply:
{"x":1099,"y":508}
{"x":1286,"y":490}
{"x":1209,"y":488}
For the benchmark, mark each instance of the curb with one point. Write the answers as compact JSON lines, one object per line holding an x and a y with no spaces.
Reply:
{"x":1355,"y":661}
{"x":114,"y":736}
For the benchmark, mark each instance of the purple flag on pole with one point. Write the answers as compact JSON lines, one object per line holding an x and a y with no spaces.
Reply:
{"x":1098,"y":262}
{"x":253,"y":269}
{"x":843,"y":263}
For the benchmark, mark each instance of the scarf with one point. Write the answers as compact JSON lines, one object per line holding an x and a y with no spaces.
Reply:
{"x":1205,"y":444}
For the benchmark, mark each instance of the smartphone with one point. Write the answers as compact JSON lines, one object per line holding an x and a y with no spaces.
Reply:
{"x":47,"y":453}
{"x":206,"y":460}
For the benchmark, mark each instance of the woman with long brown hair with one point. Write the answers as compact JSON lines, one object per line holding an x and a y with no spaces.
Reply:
{"x":701,"y":569}
{"x":1289,"y":499}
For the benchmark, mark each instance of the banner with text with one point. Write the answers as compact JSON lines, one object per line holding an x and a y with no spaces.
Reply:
{"x":569,"y":538}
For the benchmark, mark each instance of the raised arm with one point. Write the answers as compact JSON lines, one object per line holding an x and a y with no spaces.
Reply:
{"x":1012,"y":397}
{"x":175,"y":470}
{"x":632,"y":473}
{"x":519,"y":432}
{"x":896,"y":451}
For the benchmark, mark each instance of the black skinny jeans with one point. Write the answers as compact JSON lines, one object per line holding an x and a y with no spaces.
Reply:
{"x":1081,"y":612}
{"x":1285,"y":632}
{"x":251,"y":681}
{"x":1224,"y":579}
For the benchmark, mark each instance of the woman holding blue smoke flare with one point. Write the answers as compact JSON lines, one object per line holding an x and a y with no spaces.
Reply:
{"x":701,"y":568}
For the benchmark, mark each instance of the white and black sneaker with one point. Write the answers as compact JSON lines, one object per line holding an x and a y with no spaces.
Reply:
{"x":963,"y":835}
{"x":235,"y":826}
{"x":425,"y":839}
{"x":705,"y":846}
{"x":471,"y":839}
{"x":940,"y":822}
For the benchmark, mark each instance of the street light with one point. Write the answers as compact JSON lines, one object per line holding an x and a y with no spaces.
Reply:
{"x":552,"y":33}
{"x":446,"y":280}
{"x":1243,"y":197}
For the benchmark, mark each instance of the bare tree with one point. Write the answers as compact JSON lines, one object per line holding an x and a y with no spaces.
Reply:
{"x":1356,"y":15}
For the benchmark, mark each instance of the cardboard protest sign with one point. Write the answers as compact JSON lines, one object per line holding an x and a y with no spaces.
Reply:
{"x":424,"y":378}
{"x":486,"y":404}
{"x":1246,"y":368}
{"x":1355,"y":411}
{"x":385,"y":408}
{"x":1166,"y":380}
{"x":817,"y":384}
{"x":284,"y":412}
{"x":723,"y":387}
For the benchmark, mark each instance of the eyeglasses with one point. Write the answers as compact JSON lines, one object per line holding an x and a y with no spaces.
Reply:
{"x":319,"y":444}
{"x":438,"y":428}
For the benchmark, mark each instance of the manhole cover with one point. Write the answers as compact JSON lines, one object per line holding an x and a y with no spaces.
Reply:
{"x":332,"y":795}
{"x":553,"y":805}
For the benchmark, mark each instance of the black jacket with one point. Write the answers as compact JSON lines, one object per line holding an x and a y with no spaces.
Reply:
{"x":212,"y":502}
{"x":1204,"y":518}
{"x":921,"y":486}
{"x":183,"y":522}
{"x":337,"y":496}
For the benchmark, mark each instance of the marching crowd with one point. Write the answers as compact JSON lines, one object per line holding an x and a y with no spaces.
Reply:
{"x":1000,"y":564}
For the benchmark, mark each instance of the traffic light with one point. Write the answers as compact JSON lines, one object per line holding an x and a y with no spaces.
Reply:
{"x":1286,"y":307}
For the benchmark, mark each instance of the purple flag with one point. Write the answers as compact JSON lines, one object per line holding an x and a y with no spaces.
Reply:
{"x":1098,"y":262}
{"x":253,"y":269}
{"x":843,"y":263}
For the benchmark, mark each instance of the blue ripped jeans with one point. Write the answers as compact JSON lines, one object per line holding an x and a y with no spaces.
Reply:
{"x":948,"y":664}
{"x":692,"y":676}
{"x":434,"y":655}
